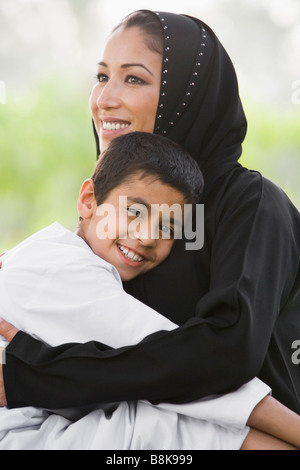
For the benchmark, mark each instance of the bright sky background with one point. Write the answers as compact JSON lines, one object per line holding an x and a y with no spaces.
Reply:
{"x":261,"y":36}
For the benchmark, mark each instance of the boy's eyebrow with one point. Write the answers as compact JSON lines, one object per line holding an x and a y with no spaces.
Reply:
{"x":125,"y":66}
{"x":139,"y":200}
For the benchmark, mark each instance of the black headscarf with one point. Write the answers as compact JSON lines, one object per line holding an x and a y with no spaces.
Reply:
{"x":199,"y":105}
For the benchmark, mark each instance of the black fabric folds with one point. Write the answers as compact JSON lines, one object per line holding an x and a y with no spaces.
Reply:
{"x":199,"y":105}
{"x":236,"y":300}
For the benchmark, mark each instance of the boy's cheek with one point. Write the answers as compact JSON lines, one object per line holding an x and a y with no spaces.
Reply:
{"x":122,"y":224}
{"x":106,"y":226}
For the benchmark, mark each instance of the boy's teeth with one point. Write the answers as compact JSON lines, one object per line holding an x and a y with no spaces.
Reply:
{"x":130,"y":254}
{"x":113,"y":126}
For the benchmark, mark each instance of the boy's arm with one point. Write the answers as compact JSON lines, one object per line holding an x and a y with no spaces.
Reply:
{"x":3,"y":401}
{"x":275,"y":419}
{"x":9,"y":332}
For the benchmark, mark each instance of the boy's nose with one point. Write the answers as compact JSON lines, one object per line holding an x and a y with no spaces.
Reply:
{"x":147,"y":241}
{"x":145,"y":235}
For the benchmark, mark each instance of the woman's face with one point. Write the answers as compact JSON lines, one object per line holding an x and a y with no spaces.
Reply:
{"x":126,"y":95}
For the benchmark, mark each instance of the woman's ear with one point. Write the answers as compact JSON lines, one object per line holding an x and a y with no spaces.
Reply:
{"x":86,"y":200}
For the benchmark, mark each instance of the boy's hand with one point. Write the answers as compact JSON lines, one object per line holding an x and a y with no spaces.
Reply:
{"x":3,"y":401}
{"x":8,"y":331}
{"x":1,"y":254}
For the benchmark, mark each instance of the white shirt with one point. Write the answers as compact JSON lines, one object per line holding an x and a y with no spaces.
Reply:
{"x":55,"y":288}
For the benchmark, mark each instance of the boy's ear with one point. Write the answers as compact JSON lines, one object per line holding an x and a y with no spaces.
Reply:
{"x":86,"y":199}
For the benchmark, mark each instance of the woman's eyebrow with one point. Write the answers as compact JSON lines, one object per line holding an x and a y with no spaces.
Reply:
{"x":125,"y":66}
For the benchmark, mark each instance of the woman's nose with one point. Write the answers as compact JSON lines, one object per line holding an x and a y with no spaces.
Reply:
{"x":109,"y":96}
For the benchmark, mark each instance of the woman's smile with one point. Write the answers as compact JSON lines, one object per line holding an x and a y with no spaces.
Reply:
{"x":126,"y":95}
{"x":110,"y":126}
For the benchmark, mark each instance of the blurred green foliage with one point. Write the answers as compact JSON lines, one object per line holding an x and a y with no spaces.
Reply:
{"x":272,"y":145}
{"x":47,"y":150}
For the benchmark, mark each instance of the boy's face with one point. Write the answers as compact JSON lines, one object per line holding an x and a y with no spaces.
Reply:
{"x":129,"y":230}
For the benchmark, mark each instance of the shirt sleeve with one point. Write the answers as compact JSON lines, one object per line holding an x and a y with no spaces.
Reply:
{"x":60,"y":293}
{"x":254,"y":265}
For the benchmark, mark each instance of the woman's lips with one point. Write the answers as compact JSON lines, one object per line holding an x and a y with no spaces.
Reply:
{"x":114,"y":126}
{"x":109,"y":125}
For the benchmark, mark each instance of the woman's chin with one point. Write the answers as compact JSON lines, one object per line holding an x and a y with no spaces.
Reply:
{"x":106,"y":137}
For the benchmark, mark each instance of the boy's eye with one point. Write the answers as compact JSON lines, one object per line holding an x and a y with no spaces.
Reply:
{"x":132,"y":79}
{"x":167,"y":230}
{"x":134,"y":212}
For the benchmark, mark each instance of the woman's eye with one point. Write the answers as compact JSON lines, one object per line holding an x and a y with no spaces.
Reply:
{"x":132,"y":79}
{"x":101,"y":77}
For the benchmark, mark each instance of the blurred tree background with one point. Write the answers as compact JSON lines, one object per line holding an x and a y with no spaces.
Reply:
{"x":48,"y":55}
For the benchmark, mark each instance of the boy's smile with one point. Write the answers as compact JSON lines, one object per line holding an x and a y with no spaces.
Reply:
{"x":130,"y":254}
{"x":133,"y":229}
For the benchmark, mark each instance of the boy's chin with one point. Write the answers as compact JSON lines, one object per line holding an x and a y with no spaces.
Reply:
{"x":128,"y":277}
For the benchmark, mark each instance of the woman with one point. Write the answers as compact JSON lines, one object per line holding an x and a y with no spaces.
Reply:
{"x":237,"y":298}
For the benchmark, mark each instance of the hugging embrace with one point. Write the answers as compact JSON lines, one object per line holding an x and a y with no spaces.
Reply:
{"x":235,"y":300}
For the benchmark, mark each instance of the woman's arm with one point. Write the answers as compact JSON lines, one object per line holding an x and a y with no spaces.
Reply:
{"x":272,"y":425}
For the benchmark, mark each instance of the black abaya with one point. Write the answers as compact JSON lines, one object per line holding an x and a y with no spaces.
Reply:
{"x":237,"y":299}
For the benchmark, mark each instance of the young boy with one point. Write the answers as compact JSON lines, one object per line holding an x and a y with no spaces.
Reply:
{"x":54,"y":275}
{"x":65,"y":287}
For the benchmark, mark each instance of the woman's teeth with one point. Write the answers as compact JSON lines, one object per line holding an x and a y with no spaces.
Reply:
{"x":130,"y":254}
{"x":113,"y":126}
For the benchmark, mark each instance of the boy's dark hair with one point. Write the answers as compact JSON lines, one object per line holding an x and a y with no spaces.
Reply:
{"x":151,"y":155}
